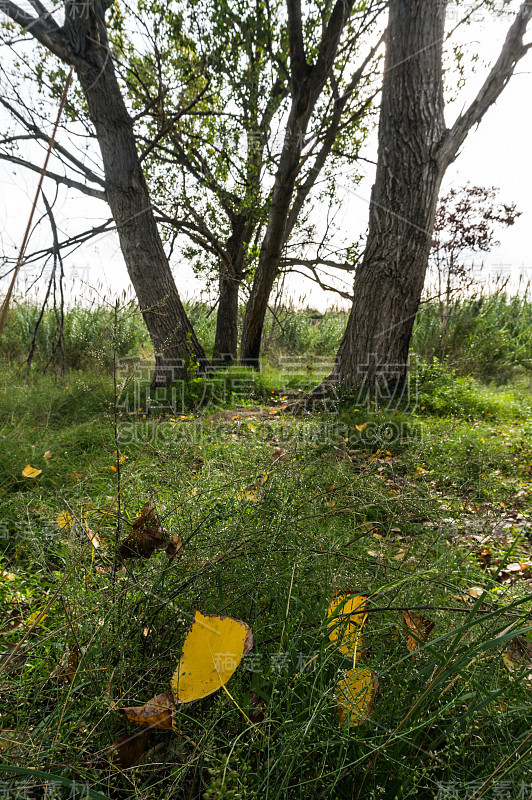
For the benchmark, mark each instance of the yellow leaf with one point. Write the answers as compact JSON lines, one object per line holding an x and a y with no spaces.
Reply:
{"x":361,"y":428}
{"x":249,"y":495}
{"x":36,"y":616}
{"x":419,"y":471}
{"x":356,"y":694}
{"x":345,"y":630}
{"x":31,"y":472}
{"x":212,"y":651}
{"x":7,"y":576}
{"x":64,"y":519}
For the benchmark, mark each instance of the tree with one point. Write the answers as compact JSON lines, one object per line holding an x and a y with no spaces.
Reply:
{"x":465,"y":223}
{"x":82,"y":41}
{"x":216,"y":134}
{"x":249,"y":131}
{"x":311,"y":68}
{"x":415,"y":150}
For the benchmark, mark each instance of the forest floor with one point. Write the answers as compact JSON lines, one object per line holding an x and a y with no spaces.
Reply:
{"x":425,"y":515}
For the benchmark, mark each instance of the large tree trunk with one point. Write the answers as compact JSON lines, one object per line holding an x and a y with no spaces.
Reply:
{"x":172,"y":335}
{"x":389,"y":282}
{"x":415,"y":150}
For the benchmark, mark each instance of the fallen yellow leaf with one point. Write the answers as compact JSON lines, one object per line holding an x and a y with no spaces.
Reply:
{"x":356,"y":694}
{"x":64,"y":519}
{"x":31,"y":472}
{"x":212,"y":651}
{"x":343,"y":624}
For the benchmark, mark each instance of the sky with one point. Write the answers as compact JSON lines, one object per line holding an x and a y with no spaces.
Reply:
{"x":497,"y":153}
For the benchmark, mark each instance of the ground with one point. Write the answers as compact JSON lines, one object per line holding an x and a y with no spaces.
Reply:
{"x":425,"y":512}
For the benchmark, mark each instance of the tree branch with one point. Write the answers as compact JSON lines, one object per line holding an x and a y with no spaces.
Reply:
{"x":81,"y":187}
{"x":323,"y":286}
{"x":44,"y":13}
{"x":512,"y":52}
{"x":47,"y":33}
{"x":330,"y":40}
{"x":39,"y":134}
{"x":298,"y":61}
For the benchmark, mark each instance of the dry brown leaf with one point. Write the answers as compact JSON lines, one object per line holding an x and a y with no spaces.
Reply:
{"x":147,"y":535}
{"x":279,"y":453}
{"x":175,"y":546}
{"x":419,"y":629}
{"x":257,"y":705}
{"x":157,"y":713}
{"x":522,"y":566}
{"x":518,"y":656}
{"x":128,"y":750}
{"x":67,"y":667}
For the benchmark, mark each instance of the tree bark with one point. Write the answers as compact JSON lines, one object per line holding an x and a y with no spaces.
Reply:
{"x":226,"y":337}
{"x":415,"y":149}
{"x":232,"y":271}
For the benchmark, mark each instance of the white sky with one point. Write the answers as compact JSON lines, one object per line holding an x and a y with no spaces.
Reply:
{"x":497,"y":153}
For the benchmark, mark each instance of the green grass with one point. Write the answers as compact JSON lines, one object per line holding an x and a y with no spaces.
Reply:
{"x":375,"y":502}
{"x":487,"y":337}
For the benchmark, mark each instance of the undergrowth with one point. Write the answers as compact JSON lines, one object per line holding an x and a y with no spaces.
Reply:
{"x":396,"y":505}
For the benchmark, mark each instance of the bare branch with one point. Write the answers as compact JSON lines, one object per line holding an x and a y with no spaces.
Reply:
{"x":72,"y":242}
{"x":39,"y":134}
{"x":346,"y":266}
{"x":511,"y":53}
{"x":81,"y":187}
{"x":316,"y":278}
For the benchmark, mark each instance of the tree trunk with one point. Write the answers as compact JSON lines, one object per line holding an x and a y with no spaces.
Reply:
{"x":230,"y":278}
{"x":389,"y":282}
{"x":307,"y":82}
{"x":274,"y":238}
{"x":226,"y":338}
{"x":172,"y":335}
{"x":415,"y":149}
